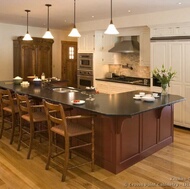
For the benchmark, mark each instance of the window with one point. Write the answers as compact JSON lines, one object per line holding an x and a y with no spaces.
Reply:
{"x":71,"y":52}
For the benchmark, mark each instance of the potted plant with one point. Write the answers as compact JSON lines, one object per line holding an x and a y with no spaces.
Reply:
{"x":164,"y":76}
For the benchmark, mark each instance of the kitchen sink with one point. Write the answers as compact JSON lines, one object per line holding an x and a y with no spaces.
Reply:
{"x":64,"y":90}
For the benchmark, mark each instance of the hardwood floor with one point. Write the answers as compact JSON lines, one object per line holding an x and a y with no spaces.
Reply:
{"x":169,"y":169}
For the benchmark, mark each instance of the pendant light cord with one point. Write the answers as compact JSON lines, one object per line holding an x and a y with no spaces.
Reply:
{"x":27,"y":11}
{"x":48,"y":5}
{"x":111,"y":22}
{"x":74,"y":13}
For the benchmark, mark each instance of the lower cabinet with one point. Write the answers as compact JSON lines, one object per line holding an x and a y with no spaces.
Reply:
{"x":114,"y":88}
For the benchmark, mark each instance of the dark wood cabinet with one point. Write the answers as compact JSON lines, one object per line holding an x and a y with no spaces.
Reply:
{"x":32,"y":57}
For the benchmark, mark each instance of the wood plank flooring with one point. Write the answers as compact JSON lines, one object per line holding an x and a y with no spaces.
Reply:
{"x":169,"y":168}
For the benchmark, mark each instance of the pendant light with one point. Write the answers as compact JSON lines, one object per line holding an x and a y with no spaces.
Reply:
{"x":48,"y":34}
{"x":74,"y":32}
{"x":27,"y":36}
{"x":111,"y":28}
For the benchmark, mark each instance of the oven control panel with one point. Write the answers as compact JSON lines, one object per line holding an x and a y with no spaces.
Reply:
{"x":85,"y":72}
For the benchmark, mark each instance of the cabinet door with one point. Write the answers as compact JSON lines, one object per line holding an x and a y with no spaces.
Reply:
{"x":186,"y":106}
{"x":159,"y":53}
{"x":28,"y":60}
{"x":175,"y":59}
{"x":178,"y":107}
{"x":108,"y":41}
{"x":86,"y":42}
{"x":160,"y":32}
{"x":44,"y":60}
{"x":182,"y":30}
{"x":32,"y":57}
{"x":186,"y":61}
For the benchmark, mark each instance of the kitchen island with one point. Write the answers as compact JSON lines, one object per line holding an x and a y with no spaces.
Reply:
{"x":126,"y":130}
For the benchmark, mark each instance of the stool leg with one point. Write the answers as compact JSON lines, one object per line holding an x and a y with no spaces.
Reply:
{"x":2,"y":124}
{"x":20,"y":134}
{"x":31,"y":140}
{"x":92,"y":155}
{"x":13,"y":128}
{"x":50,"y":150}
{"x":66,"y":154}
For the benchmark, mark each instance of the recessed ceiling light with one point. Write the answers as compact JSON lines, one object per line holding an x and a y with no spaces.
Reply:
{"x":129,"y":10}
{"x":92,"y":16}
{"x":179,"y":3}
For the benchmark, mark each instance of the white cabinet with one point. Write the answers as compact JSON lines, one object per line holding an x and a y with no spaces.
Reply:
{"x":142,"y":88}
{"x":108,"y":41}
{"x":161,"y":32}
{"x":166,"y":31}
{"x":114,"y":88}
{"x":158,"y":54}
{"x":99,"y":43}
{"x":86,"y":42}
{"x":175,"y":54}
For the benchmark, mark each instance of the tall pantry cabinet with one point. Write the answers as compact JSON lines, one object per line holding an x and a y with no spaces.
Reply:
{"x":32,"y":57}
{"x":175,"y":54}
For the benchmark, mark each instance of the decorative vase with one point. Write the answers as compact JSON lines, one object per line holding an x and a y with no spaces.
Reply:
{"x":164,"y":88}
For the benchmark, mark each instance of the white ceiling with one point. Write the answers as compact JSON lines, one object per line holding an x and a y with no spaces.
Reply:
{"x":61,"y":12}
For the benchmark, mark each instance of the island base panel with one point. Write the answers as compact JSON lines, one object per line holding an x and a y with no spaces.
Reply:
{"x":122,"y":141}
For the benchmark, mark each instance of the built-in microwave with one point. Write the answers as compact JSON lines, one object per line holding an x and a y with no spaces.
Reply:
{"x":85,"y":61}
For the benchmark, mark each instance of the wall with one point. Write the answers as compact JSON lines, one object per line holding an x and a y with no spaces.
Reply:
{"x":150,"y":19}
{"x":9,"y":32}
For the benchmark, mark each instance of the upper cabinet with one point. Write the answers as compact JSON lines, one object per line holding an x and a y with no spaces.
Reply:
{"x":32,"y":57}
{"x":86,"y":43}
{"x":98,"y":43}
{"x":108,"y":41}
{"x":169,"y":31}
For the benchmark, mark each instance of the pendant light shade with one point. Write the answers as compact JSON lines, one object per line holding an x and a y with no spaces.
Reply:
{"x":74,"y":32}
{"x":48,"y":34}
{"x":111,"y":28}
{"x":27,"y":36}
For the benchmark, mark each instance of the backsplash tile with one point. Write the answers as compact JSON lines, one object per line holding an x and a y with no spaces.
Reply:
{"x":130,"y":60}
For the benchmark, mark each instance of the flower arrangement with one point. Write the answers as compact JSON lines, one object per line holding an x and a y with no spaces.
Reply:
{"x":164,"y":75}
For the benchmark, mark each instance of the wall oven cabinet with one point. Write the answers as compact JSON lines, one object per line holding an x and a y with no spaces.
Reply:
{"x":85,"y":61}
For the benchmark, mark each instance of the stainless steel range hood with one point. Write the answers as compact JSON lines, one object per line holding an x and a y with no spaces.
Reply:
{"x":126,"y":45}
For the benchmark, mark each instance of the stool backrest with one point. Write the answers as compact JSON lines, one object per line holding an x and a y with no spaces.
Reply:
{"x":6,"y":99}
{"x":24,"y":105}
{"x":55,"y":116}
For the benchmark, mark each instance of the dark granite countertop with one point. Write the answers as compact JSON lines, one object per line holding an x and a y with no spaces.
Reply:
{"x":121,"y":104}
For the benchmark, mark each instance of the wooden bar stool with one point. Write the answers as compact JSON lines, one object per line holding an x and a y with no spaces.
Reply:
{"x":9,"y":112}
{"x":32,"y":121}
{"x":58,"y":124}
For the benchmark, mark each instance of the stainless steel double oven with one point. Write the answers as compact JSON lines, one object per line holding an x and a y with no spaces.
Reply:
{"x":85,"y":70}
